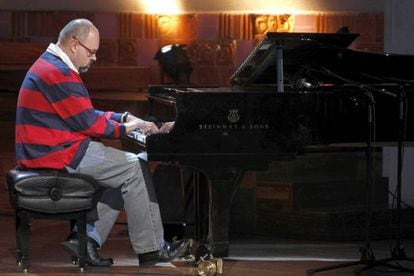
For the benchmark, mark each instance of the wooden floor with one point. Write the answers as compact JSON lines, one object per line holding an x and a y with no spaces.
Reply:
{"x":253,"y":256}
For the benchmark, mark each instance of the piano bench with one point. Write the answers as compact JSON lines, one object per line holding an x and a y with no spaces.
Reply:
{"x":49,"y":194}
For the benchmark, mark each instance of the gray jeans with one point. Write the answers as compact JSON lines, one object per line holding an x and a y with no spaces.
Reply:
{"x":114,"y":168}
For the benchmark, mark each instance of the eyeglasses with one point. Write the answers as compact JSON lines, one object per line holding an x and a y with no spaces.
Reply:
{"x":90,"y":52}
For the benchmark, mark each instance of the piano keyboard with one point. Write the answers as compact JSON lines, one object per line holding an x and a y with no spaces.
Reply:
{"x":137,"y":135}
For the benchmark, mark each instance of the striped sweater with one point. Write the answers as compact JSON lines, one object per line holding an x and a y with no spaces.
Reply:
{"x":55,"y":119}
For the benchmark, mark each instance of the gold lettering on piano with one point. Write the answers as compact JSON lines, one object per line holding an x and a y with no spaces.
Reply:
{"x":233,"y":116}
{"x":234,"y":127}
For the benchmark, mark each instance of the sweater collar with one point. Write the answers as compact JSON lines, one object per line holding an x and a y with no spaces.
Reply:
{"x":55,"y":50}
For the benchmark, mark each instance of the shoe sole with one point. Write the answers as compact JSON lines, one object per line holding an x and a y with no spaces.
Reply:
{"x":72,"y":249}
{"x":179,"y":250}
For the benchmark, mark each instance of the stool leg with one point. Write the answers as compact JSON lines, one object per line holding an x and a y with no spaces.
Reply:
{"x":23,"y":238}
{"x":74,"y":258}
{"x":18,"y":244}
{"x":81,"y":224}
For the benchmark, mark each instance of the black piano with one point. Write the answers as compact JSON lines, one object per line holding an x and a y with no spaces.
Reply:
{"x":296,"y":92}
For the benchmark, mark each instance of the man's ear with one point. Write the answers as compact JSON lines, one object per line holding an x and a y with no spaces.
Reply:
{"x":73,"y":46}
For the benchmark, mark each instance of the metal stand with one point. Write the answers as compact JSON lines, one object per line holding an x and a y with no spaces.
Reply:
{"x":367,"y":255}
{"x":398,"y":252}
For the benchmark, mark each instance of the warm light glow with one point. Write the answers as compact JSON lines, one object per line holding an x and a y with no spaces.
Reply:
{"x":162,"y":6}
{"x":230,"y":6}
{"x":270,"y":6}
{"x":247,"y":6}
{"x":278,"y":6}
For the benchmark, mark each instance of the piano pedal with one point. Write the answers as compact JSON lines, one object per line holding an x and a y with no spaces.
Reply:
{"x":209,"y":266}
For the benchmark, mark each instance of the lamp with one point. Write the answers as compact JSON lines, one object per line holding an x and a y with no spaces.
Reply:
{"x":174,"y":63}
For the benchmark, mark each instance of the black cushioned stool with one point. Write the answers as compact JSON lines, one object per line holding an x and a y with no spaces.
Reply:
{"x":50,"y":195}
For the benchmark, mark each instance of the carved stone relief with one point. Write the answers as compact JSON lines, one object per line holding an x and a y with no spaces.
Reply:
{"x":272,"y":23}
{"x":212,"y":60}
{"x":107,"y":53}
{"x":127,"y":52}
{"x":177,"y":27}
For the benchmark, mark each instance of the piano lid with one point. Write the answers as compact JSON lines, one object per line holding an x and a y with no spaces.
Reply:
{"x":260,"y":66}
{"x":314,"y":59}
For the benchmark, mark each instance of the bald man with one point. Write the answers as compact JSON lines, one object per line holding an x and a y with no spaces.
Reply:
{"x":57,"y":127}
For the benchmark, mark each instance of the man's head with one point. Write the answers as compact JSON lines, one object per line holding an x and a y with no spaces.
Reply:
{"x":79,"y":39}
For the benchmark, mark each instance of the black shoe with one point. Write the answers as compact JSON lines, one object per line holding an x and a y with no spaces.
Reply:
{"x":166,"y":254}
{"x":92,"y":258}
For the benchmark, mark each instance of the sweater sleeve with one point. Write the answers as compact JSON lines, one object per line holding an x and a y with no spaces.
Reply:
{"x":75,"y":107}
{"x":111,"y":115}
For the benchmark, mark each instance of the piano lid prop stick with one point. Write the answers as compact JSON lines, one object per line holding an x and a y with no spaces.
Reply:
{"x":279,"y":71}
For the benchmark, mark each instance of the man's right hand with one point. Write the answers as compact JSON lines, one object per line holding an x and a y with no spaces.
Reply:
{"x":146,"y":127}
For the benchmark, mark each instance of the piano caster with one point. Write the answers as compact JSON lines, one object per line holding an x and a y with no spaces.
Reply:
{"x":209,"y":266}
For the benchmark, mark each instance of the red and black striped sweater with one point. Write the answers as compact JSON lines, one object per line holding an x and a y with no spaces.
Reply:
{"x":55,"y":119}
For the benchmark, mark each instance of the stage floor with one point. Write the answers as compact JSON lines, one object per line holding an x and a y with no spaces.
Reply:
{"x":254,"y":256}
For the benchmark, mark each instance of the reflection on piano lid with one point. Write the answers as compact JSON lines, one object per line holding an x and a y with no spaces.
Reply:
{"x":309,"y":57}
{"x":260,"y":66}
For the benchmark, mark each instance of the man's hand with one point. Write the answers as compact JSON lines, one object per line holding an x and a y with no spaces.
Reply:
{"x":146,"y":127}
{"x":166,"y":127}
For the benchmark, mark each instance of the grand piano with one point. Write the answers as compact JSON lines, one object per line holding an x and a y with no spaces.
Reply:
{"x":295,"y":93}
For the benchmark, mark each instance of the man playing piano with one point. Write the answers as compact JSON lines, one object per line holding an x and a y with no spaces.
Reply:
{"x":57,"y":128}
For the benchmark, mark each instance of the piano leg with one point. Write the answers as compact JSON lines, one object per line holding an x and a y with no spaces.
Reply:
{"x":223,"y":184}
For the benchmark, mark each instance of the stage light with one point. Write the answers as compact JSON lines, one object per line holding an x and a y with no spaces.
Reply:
{"x":174,"y":63}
